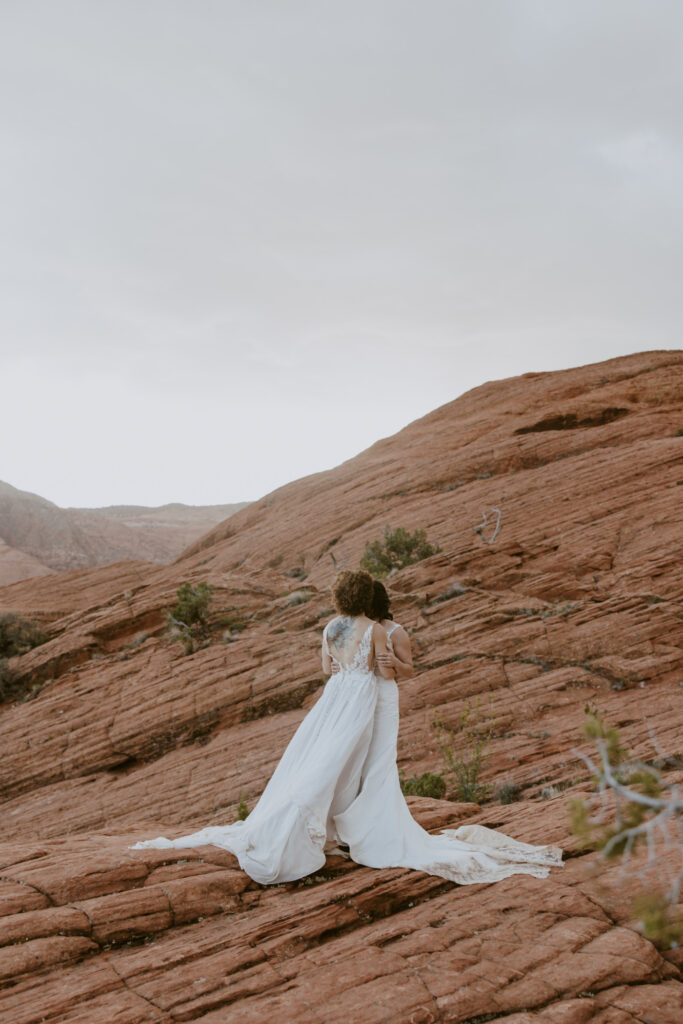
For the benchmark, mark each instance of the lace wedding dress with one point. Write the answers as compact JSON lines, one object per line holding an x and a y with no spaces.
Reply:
{"x":318,"y":776}
{"x":337,"y":781}
{"x":381,"y":832}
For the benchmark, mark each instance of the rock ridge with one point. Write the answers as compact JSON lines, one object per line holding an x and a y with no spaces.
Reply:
{"x":122,"y":736}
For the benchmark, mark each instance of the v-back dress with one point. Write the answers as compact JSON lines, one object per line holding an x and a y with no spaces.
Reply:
{"x":337,"y":781}
{"x":318,"y":776}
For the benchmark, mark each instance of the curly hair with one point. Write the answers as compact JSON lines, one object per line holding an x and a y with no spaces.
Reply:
{"x":379,"y":609}
{"x":352,"y":592}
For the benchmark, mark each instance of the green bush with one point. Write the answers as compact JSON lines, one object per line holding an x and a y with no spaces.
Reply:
{"x":464,"y":753}
{"x":642,"y":797}
{"x":17,"y":635}
{"x":8,"y":681}
{"x":193,"y":604}
{"x":242,"y":809}
{"x":189,"y":618}
{"x":398,"y":549}
{"x":427,"y":784}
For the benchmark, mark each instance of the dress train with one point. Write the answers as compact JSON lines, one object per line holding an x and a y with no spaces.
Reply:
{"x":381,"y":832}
{"x":338,"y":781}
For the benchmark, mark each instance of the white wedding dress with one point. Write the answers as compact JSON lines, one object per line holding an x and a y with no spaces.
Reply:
{"x":337,"y":781}
{"x":381,"y":832}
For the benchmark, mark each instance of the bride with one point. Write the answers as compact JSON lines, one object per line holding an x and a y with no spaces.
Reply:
{"x":337,"y":780}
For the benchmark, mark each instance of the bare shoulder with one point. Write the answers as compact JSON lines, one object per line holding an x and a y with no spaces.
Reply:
{"x":379,"y":632}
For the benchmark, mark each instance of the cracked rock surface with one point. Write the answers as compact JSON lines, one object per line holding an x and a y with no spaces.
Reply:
{"x":119,"y":735}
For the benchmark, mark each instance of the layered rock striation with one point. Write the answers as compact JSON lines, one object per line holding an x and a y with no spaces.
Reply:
{"x":121,"y":735}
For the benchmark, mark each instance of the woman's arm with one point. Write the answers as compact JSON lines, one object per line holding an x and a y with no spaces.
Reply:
{"x":380,"y":649}
{"x":401,"y":660}
{"x":403,"y":655}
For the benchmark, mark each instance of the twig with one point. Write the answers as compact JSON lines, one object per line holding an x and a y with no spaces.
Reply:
{"x":484,"y":523}
{"x":668,"y":810}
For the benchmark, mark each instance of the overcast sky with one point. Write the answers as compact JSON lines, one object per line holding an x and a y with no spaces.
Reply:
{"x":241,"y":240}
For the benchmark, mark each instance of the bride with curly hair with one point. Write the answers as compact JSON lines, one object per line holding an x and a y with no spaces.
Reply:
{"x":337,"y":782}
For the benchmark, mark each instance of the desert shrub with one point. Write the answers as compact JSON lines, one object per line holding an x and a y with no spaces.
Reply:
{"x":17,"y":635}
{"x":242,"y":809}
{"x":188,"y":619}
{"x":508,"y":792}
{"x":16,"y":686}
{"x":8,"y":681}
{"x":398,"y":549}
{"x":427,"y":784}
{"x":656,"y":919}
{"x":193,"y":603}
{"x":645,"y":805}
{"x":464,"y":753}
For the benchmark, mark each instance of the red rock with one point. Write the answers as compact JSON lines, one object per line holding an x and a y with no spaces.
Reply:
{"x":127,"y":737}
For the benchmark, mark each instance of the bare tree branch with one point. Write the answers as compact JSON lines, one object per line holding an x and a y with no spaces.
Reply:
{"x":484,"y":523}
{"x":666,"y":815}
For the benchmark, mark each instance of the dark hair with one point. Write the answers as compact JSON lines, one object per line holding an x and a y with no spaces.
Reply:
{"x":352,"y":592}
{"x":379,"y":609}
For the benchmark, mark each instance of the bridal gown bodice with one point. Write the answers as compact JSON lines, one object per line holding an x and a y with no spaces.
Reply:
{"x":337,"y":781}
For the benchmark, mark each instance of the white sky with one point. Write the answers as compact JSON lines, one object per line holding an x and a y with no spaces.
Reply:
{"x":244,"y":239}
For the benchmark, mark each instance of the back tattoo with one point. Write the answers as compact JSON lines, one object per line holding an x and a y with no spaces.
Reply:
{"x":340,"y":633}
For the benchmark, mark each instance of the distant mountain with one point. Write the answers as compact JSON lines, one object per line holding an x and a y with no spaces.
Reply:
{"x":38,"y":537}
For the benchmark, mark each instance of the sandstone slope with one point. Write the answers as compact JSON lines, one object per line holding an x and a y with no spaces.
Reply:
{"x":122,"y":736}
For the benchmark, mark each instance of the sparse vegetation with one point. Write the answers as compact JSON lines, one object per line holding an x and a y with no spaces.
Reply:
{"x":428,"y":784}
{"x":188,"y":619}
{"x":7,"y":680}
{"x":18,"y":635}
{"x":655,"y":919}
{"x":508,"y":792}
{"x":232,"y":621}
{"x":193,"y":603}
{"x":14,"y":685}
{"x":398,"y":549}
{"x":242,"y":809}
{"x":646,"y":809}
{"x":464,"y":752}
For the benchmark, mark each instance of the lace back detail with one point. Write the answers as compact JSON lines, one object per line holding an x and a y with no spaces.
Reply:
{"x":361,"y":658}
{"x":361,"y":655}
